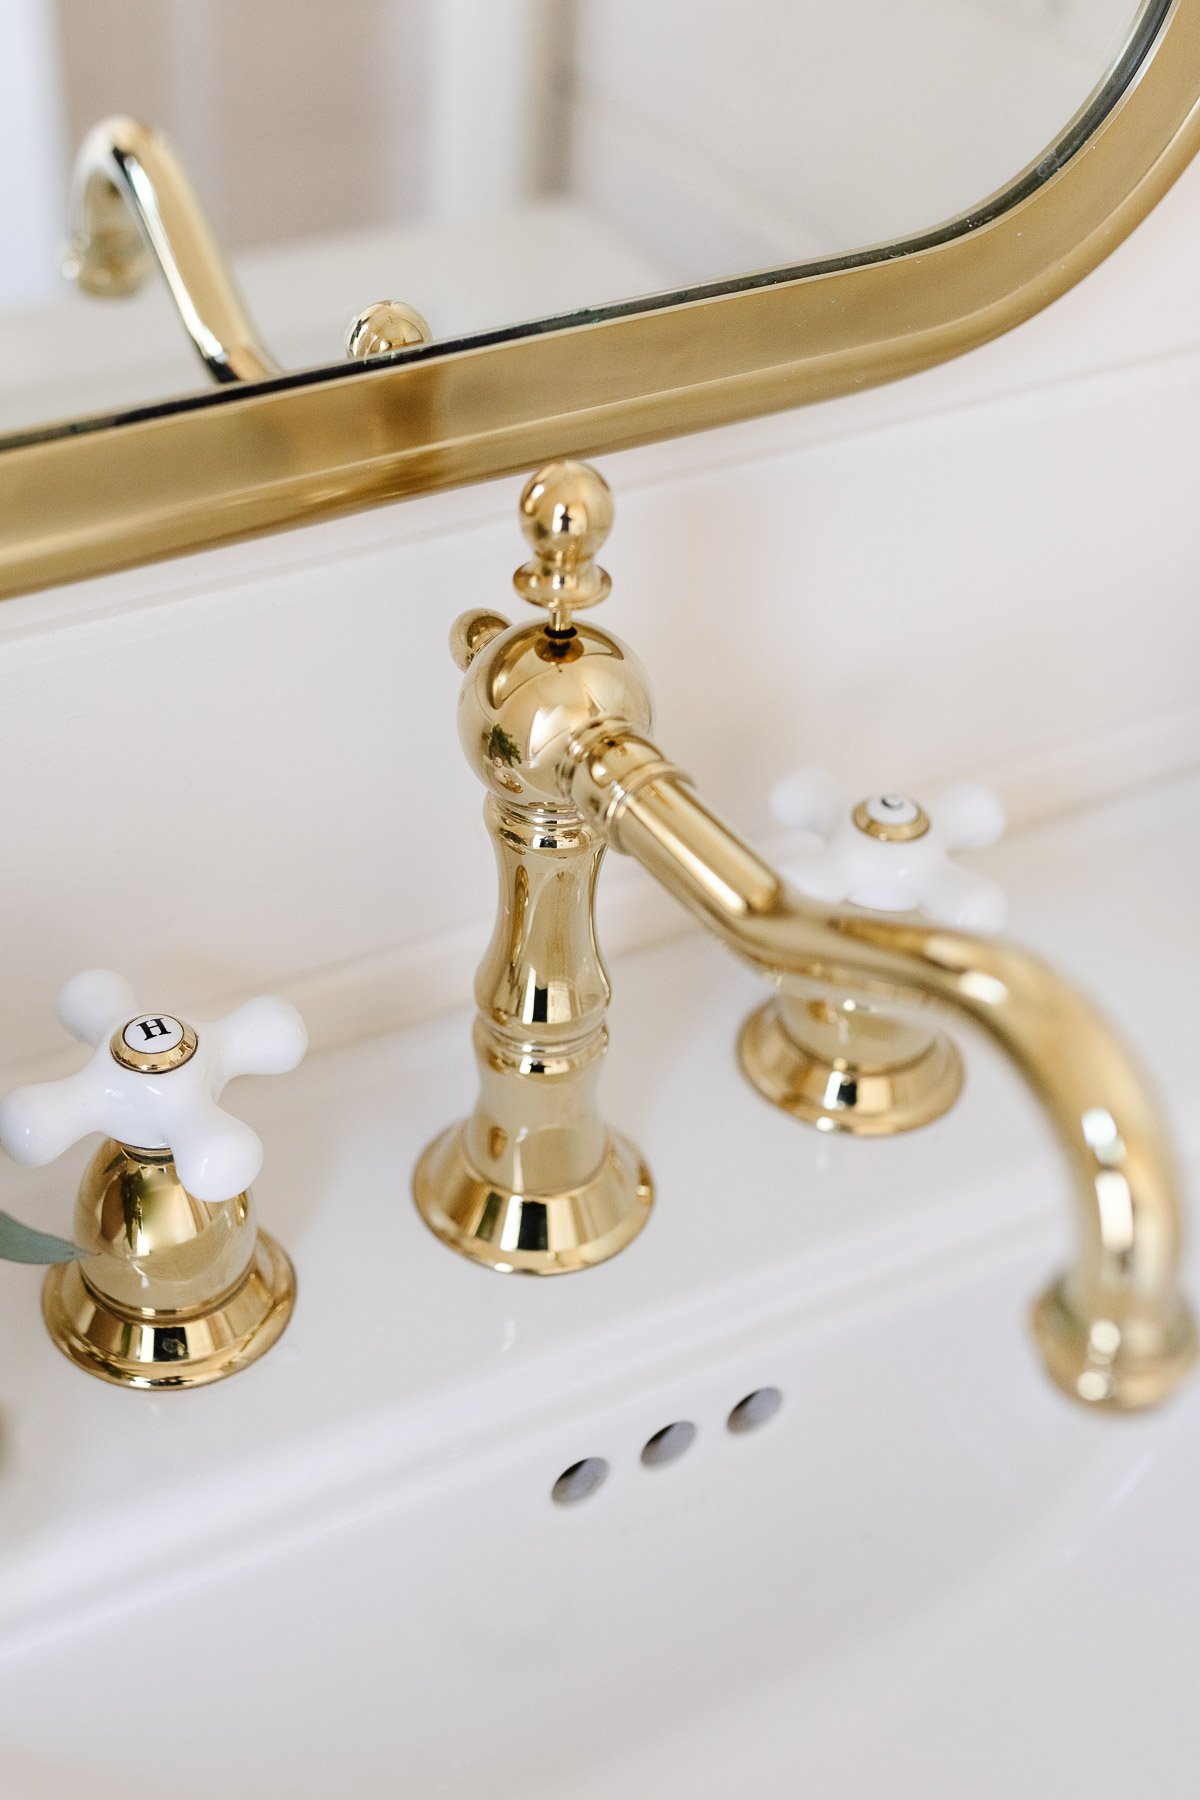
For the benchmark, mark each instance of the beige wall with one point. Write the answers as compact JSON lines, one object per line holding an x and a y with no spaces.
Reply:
{"x":294,"y":120}
{"x":729,"y":138}
{"x":717,"y":137}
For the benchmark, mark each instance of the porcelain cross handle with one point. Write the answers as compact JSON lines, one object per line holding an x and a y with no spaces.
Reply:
{"x":154,"y":1083}
{"x":890,"y":854}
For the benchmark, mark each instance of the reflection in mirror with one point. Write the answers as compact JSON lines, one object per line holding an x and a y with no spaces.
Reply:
{"x":492,"y":161}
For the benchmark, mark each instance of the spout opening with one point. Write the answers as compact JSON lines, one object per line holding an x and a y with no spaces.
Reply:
{"x":1110,"y":1365}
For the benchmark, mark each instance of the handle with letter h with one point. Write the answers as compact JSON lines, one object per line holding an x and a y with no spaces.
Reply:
{"x":173,"y":1272}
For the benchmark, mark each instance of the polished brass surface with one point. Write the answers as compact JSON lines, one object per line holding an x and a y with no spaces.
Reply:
{"x":132,"y":207}
{"x":533,"y":1181}
{"x":472,"y":632}
{"x":869,"y":816}
{"x":839,"y":1063}
{"x":153,"y":1055}
{"x":387,"y":326}
{"x":555,"y":726}
{"x":171,"y":1292}
{"x":518,"y":1232}
{"x":1115,"y":1332}
{"x":842,"y":1065}
{"x":106,"y":494}
{"x":566,"y":524}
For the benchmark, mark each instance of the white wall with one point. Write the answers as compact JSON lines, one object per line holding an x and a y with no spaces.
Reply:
{"x":733,"y":137}
{"x":33,"y":153}
{"x":293,"y":120}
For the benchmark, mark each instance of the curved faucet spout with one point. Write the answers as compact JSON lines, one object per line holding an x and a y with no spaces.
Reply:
{"x":131,"y":207}
{"x":1115,"y":1331}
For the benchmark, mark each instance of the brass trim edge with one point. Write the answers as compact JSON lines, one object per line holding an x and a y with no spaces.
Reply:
{"x":887,"y":832}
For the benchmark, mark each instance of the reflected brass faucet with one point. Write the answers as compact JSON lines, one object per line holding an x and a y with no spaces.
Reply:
{"x":132,"y":207}
{"x":554,"y":717}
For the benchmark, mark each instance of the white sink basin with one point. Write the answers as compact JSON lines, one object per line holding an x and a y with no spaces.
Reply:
{"x":343,"y":1572}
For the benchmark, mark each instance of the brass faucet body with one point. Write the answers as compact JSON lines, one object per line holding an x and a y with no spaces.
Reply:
{"x":171,"y":1291}
{"x":554,"y":720}
{"x":533,"y":1181}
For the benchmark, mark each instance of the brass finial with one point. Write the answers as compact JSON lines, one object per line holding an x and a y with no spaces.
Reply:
{"x":388,"y":325}
{"x":566,"y":514}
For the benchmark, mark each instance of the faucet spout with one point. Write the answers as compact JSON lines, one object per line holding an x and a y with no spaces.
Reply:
{"x":1115,"y":1331}
{"x":552,"y":718}
{"x":132,"y":207}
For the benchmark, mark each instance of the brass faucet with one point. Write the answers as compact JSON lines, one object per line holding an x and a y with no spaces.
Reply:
{"x":172,"y":1285}
{"x":132,"y":208}
{"x":554,"y":716}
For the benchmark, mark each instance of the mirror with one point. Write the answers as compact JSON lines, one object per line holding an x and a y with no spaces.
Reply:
{"x":494,"y":162}
{"x":473,"y":161}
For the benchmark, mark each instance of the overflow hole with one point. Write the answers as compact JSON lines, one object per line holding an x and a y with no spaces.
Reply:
{"x":755,"y":1409}
{"x":669,"y":1443}
{"x":580,"y":1480}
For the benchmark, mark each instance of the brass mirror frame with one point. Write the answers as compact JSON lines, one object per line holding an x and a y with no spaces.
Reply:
{"x":108,"y":493}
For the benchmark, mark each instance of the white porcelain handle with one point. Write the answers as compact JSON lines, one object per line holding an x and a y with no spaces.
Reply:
{"x":154,"y":1082}
{"x":890,"y":854}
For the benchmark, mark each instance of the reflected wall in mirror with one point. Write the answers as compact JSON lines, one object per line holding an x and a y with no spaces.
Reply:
{"x":495,"y":161}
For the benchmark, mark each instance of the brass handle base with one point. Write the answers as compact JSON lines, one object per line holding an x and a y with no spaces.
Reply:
{"x":164,"y":1349}
{"x":532,"y":1234}
{"x":1115,"y":1364}
{"x":173,"y":1292}
{"x":853,"y":1071}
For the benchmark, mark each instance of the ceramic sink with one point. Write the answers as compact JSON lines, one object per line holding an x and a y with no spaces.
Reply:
{"x":919,"y":1571}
